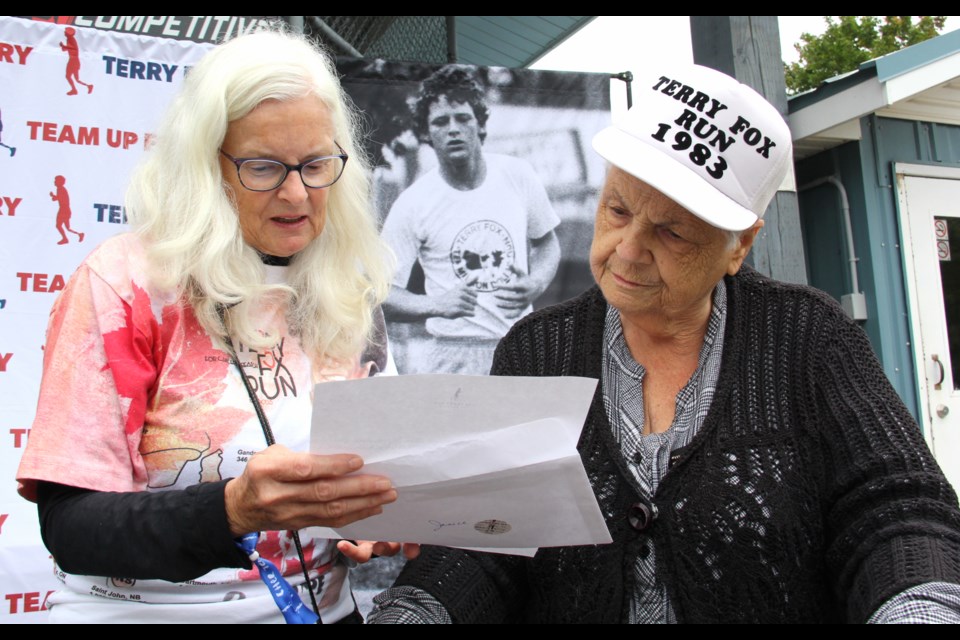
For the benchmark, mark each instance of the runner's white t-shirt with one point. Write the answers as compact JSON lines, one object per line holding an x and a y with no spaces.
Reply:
{"x":478,"y":237}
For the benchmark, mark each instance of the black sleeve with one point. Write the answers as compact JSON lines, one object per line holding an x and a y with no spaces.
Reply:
{"x":170,"y":535}
{"x":892,"y":518}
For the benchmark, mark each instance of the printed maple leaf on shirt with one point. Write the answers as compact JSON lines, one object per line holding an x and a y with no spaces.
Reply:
{"x":182,"y":415}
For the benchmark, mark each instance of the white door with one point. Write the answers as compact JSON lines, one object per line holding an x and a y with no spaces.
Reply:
{"x":929,"y":199}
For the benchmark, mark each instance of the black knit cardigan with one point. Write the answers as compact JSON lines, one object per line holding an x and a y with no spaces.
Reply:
{"x":808,"y":495}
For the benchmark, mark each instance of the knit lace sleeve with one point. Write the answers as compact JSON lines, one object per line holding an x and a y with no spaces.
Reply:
{"x":892,"y":517}
{"x":473,"y":587}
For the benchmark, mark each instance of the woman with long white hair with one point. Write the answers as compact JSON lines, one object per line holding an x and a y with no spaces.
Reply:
{"x":175,"y":406}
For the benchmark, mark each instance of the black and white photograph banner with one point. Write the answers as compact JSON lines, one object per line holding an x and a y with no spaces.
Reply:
{"x":486,"y":187}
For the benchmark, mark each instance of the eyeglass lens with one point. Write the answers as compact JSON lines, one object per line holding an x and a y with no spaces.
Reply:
{"x":264,"y":175}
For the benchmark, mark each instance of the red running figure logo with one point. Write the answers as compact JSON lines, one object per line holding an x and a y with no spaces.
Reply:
{"x":73,"y":63}
{"x":62,"y":196}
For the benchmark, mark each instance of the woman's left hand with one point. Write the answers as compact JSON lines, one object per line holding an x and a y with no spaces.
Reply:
{"x":361,"y":551}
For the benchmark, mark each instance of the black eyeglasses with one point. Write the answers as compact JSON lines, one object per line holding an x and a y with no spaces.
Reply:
{"x":264,"y":174}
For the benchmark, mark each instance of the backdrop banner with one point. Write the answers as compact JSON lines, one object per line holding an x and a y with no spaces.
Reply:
{"x":210,"y":29}
{"x":77,"y":109}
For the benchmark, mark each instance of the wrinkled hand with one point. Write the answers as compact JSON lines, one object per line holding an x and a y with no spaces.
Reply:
{"x":513,"y":298}
{"x":281,"y":489}
{"x":362,"y":550}
{"x":459,"y":302}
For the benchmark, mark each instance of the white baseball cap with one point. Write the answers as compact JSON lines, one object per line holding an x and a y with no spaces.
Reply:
{"x":710,"y":143}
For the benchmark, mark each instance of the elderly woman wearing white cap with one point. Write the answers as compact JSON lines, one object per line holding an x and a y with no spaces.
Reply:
{"x":751,"y":459}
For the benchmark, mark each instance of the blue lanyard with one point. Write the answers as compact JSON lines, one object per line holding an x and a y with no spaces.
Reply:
{"x":288,"y":601}
{"x":290,"y":604}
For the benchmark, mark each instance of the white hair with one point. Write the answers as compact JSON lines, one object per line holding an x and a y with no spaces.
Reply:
{"x":189,"y":222}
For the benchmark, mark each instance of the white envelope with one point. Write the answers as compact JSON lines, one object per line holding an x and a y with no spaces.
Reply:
{"x":478,"y":461}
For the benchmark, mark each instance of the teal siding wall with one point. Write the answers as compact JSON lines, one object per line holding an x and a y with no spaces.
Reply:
{"x":866,"y":170}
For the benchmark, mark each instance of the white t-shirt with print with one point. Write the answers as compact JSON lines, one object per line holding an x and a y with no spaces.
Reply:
{"x":479,"y":237}
{"x":152,"y":405}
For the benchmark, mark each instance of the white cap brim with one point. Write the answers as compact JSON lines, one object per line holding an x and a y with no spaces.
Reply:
{"x":673,"y":179}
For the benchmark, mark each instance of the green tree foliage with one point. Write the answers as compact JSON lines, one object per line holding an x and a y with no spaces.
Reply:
{"x":852,"y":40}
